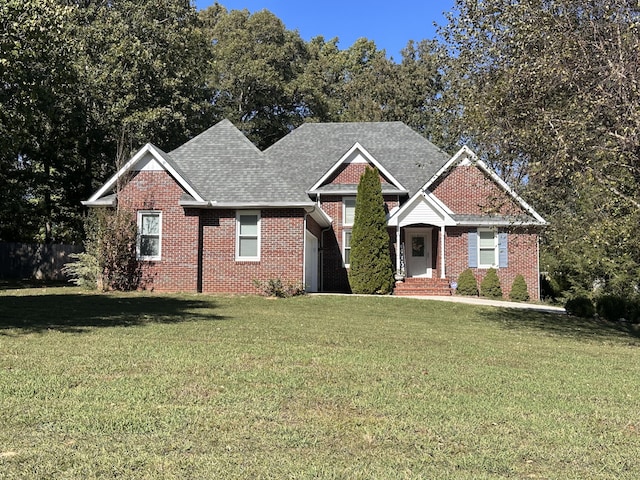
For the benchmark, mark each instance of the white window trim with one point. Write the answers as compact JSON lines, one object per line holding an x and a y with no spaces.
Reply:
{"x":149,"y":258}
{"x":259,"y":235}
{"x":344,"y":243}
{"x":344,"y":210}
{"x":496,"y":242}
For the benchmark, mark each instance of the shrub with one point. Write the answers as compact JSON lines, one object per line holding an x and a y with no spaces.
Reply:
{"x":109,"y":261}
{"x":633,"y":310}
{"x":490,"y":285}
{"x":370,"y":270}
{"x":519,"y":291}
{"x":550,"y":288}
{"x":275,"y":287}
{"x":611,"y":307}
{"x":467,"y":284}
{"x":580,"y":306}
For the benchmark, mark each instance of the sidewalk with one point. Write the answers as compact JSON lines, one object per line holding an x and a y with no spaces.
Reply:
{"x":539,"y":307}
{"x":496,"y":303}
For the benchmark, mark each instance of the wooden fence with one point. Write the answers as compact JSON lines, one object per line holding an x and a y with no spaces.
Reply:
{"x":33,"y":261}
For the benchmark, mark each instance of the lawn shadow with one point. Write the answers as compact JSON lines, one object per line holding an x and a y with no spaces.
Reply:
{"x":79,"y":312}
{"x":561,"y":324}
{"x":16,"y":284}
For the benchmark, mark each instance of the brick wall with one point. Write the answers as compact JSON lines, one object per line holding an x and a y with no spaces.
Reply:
{"x":186,"y":232}
{"x":281,"y":251}
{"x":480,"y":194}
{"x":349,"y":174}
{"x":523,"y":258}
{"x":178,"y":268}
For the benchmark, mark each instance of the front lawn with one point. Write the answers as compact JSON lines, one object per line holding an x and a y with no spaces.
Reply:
{"x":148,"y":386}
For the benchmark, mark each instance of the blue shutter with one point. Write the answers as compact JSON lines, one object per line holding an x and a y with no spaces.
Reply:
{"x":473,"y":249}
{"x":503,"y":250}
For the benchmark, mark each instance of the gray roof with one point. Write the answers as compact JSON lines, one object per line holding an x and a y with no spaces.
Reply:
{"x":223,"y":165}
{"x":301,"y":158}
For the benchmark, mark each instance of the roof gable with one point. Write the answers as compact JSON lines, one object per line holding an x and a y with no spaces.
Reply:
{"x":303,"y":157}
{"x":356,"y":154}
{"x":423,"y":207}
{"x":466,"y":157}
{"x":147,"y":158}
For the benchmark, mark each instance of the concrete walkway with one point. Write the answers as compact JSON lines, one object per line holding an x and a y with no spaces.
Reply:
{"x":540,"y":307}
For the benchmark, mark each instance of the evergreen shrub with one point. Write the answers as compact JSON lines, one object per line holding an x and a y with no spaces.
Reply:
{"x":611,"y":307}
{"x":580,"y":306}
{"x":467,"y":284}
{"x":490,"y":285}
{"x":370,"y":269}
{"x":519,"y":291}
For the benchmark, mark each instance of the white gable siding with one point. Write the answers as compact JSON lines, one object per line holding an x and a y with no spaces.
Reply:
{"x":147,"y":163}
{"x":421,"y":212}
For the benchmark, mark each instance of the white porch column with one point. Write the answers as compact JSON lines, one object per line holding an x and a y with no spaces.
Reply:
{"x":397,"y":248}
{"x":442,"y":269}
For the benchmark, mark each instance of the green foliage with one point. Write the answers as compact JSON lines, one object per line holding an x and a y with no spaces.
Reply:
{"x":615,"y":308}
{"x":580,"y":306}
{"x":547,"y":93}
{"x":275,"y":287}
{"x":109,"y":261}
{"x":519,"y":291}
{"x":371,"y":270}
{"x":83,"y":85}
{"x":255,"y":66}
{"x":490,"y":285}
{"x":467,"y":283}
{"x":84,"y":270}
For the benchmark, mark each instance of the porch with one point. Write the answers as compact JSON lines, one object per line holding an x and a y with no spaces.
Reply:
{"x":419,"y":227}
{"x":420,"y":265}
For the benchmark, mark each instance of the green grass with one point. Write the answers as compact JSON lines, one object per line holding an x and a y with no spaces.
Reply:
{"x":146,"y":386}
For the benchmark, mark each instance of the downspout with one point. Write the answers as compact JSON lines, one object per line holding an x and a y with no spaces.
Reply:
{"x":398,"y":248}
{"x":538,"y":262}
{"x":304,"y":250}
{"x":443,"y":274}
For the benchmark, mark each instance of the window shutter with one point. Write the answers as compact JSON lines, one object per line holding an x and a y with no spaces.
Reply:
{"x":473,"y":249}
{"x":503,"y":251}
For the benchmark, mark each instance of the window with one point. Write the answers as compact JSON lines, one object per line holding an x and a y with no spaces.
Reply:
{"x":487,"y":248}
{"x":346,"y":247}
{"x":248,"y":236}
{"x":150,"y":234}
{"x":348,"y":210}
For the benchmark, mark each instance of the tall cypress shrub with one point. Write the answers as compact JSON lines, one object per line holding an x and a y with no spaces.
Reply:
{"x":371,"y":270}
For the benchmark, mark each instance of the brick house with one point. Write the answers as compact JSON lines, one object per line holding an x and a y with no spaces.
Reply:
{"x":217,"y":213}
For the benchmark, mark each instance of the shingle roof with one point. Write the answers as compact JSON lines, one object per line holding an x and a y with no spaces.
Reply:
{"x":223,"y":165}
{"x":301,"y":158}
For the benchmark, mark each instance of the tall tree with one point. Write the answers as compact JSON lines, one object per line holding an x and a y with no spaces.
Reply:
{"x":550,"y":90}
{"x":36,"y":103}
{"x":371,"y":270}
{"x":256,"y":62}
{"x":83,"y":83}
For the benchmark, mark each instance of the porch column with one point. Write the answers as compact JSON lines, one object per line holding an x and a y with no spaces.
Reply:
{"x":397,"y":249}
{"x":442,"y":271}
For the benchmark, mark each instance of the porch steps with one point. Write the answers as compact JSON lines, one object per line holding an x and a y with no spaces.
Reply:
{"x":412,"y":287}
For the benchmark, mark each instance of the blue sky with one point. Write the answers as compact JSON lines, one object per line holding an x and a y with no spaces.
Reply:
{"x":390,"y":24}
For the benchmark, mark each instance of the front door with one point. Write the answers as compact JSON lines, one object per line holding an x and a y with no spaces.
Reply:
{"x":418,"y":252}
